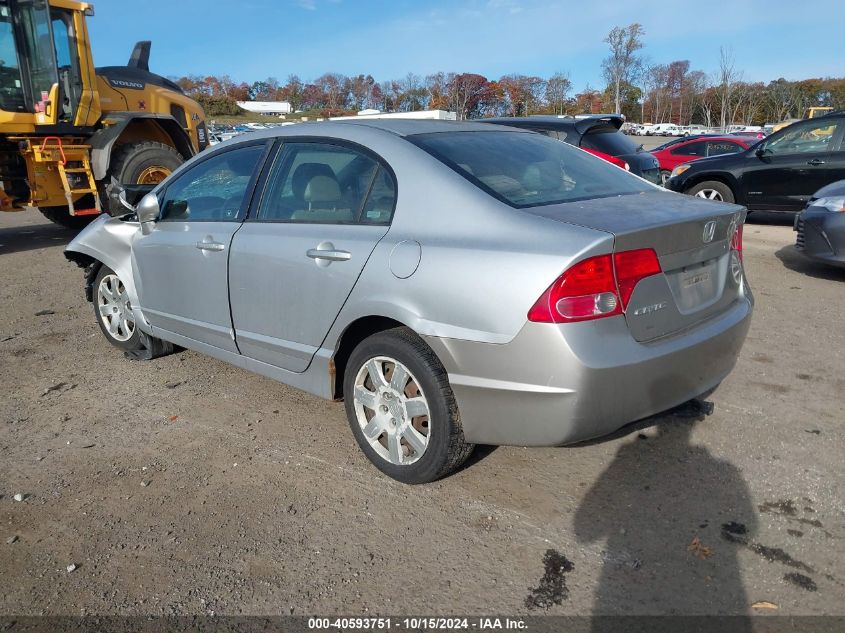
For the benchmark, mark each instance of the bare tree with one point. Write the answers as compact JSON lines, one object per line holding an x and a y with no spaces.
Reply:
{"x":557,"y":87}
{"x":727,"y":78}
{"x":655,"y":80}
{"x":781,"y":99}
{"x":623,"y":64}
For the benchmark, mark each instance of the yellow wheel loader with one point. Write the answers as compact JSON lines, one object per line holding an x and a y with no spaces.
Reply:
{"x":69,"y":132}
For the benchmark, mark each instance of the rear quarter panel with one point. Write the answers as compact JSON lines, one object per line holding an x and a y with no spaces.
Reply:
{"x":482,"y":266}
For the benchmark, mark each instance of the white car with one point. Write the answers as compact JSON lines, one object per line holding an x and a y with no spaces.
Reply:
{"x":666,"y":129}
{"x":696,"y":130}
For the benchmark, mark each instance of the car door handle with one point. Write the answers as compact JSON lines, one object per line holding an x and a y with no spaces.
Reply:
{"x":330,"y":255}
{"x":210,"y":246}
{"x":815,"y":161}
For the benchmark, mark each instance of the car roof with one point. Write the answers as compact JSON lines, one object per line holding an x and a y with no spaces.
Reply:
{"x":547,"y":121}
{"x":410,"y":127}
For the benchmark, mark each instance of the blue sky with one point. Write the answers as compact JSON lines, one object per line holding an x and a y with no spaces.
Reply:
{"x":254,"y":39}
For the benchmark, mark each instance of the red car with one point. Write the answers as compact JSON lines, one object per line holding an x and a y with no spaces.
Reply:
{"x":672,"y":154}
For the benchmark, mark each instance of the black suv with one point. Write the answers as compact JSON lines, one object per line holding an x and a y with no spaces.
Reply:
{"x":780,"y":173}
{"x":598,"y":134}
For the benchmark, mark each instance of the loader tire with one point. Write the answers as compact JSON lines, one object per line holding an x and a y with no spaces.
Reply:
{"x":62,"y":216}
{"x":141,"y":163}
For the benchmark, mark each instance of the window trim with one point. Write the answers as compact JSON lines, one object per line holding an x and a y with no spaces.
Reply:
{"x":279,"y":147}
{"x":249,"y":192}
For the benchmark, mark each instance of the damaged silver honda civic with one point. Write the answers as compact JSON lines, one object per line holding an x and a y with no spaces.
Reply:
{"x":453,"y":283}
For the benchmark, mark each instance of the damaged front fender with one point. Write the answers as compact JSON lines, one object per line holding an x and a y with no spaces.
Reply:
{"x":108,"y":241}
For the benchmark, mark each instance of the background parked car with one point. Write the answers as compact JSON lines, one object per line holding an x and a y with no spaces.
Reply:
{"x":597,"y":134}
{"x":684,"y":150}
{"x":659,"y":129}
{"x":698,"y":130}
{"x":753,"y":135}
{"x":671,"y":130}
{"x":778,"y":173}
{"x":821,"y":226}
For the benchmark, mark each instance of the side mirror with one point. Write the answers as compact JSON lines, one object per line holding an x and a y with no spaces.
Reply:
{"x":761,"y":150}
{"x":147,"y":211}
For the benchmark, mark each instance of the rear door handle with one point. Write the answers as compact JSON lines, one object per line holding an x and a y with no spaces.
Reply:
{"x":329,"y":255}
{"x":210,"y":246}
{"x":815,"y":161}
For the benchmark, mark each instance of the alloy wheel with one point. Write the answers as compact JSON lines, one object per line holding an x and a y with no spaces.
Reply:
{"x":709,"y":194}
{"x":114,"y":308}
{"x":392,"y":410}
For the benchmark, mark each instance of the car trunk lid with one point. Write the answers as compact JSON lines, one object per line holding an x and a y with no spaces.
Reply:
{"x":701,"y":275}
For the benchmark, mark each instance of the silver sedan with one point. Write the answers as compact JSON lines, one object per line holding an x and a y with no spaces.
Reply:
{"x":454,"y":283}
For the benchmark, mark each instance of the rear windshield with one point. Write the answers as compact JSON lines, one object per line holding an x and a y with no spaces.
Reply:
{"x":528,"y":170}
{"x":608,"y":140}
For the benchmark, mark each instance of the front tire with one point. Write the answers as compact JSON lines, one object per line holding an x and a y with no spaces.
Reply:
{"x":113,"y":311}
{"x":401,"y":408}
{"x":712,"y":190}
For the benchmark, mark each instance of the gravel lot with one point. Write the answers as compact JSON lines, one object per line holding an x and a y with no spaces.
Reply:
{"x":186,"y":486}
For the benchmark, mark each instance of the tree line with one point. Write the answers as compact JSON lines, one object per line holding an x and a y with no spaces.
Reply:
{"x":641,"y":90}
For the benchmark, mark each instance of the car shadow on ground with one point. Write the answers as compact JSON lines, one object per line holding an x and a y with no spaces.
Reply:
{"x":797,"y":262}
{"x":770,"y":218}
{"x":32,"y":237}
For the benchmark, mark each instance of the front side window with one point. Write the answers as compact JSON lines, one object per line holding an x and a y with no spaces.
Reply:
{"x":528,"y":170}
{"x":37,"y":49}
{"x":214,"y":190}
{"x":803,"y":138}
{"x":313,"y":182}
{"x":11,"y":89}
{"x":691,"y":149}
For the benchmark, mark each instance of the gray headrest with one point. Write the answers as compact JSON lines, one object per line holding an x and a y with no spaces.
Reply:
{"x":322,"y":189}
{"x":542,"y":176}
{"x":303,"y":174}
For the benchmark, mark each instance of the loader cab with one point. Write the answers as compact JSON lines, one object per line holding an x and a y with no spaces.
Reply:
{"x":40,"y":66}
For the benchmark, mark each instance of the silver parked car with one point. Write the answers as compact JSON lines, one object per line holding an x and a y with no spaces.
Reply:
{"x":454,"y":283}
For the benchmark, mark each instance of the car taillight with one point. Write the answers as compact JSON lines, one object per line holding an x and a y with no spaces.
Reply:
{"x":631,"y":267}
{"x":595,"y":288}
{"x":736,"y":241}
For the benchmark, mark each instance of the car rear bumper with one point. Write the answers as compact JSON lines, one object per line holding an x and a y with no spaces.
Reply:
{"x":821,"y":235}
{"x":558,"y":384}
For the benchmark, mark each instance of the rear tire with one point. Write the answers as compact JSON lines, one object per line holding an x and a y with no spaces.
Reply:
{"x":141,"y":163}
{"x":712,"y":190}
{"x":405,"y":419}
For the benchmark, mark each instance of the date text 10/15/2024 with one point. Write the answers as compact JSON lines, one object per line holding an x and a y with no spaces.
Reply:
{"x":416,"y":624}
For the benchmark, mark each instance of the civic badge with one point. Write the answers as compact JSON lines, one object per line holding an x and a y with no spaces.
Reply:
{"x":709,"y":231}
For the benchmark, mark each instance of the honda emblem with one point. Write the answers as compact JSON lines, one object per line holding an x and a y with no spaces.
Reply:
{"x":709,"y":231}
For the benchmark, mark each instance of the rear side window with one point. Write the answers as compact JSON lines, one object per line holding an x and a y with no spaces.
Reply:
{"x":698,"y":148}
{"x":609,"y":140}
{"x":317,"y":182}
{"x":716,"y":148}
{"x":527,"y":170}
